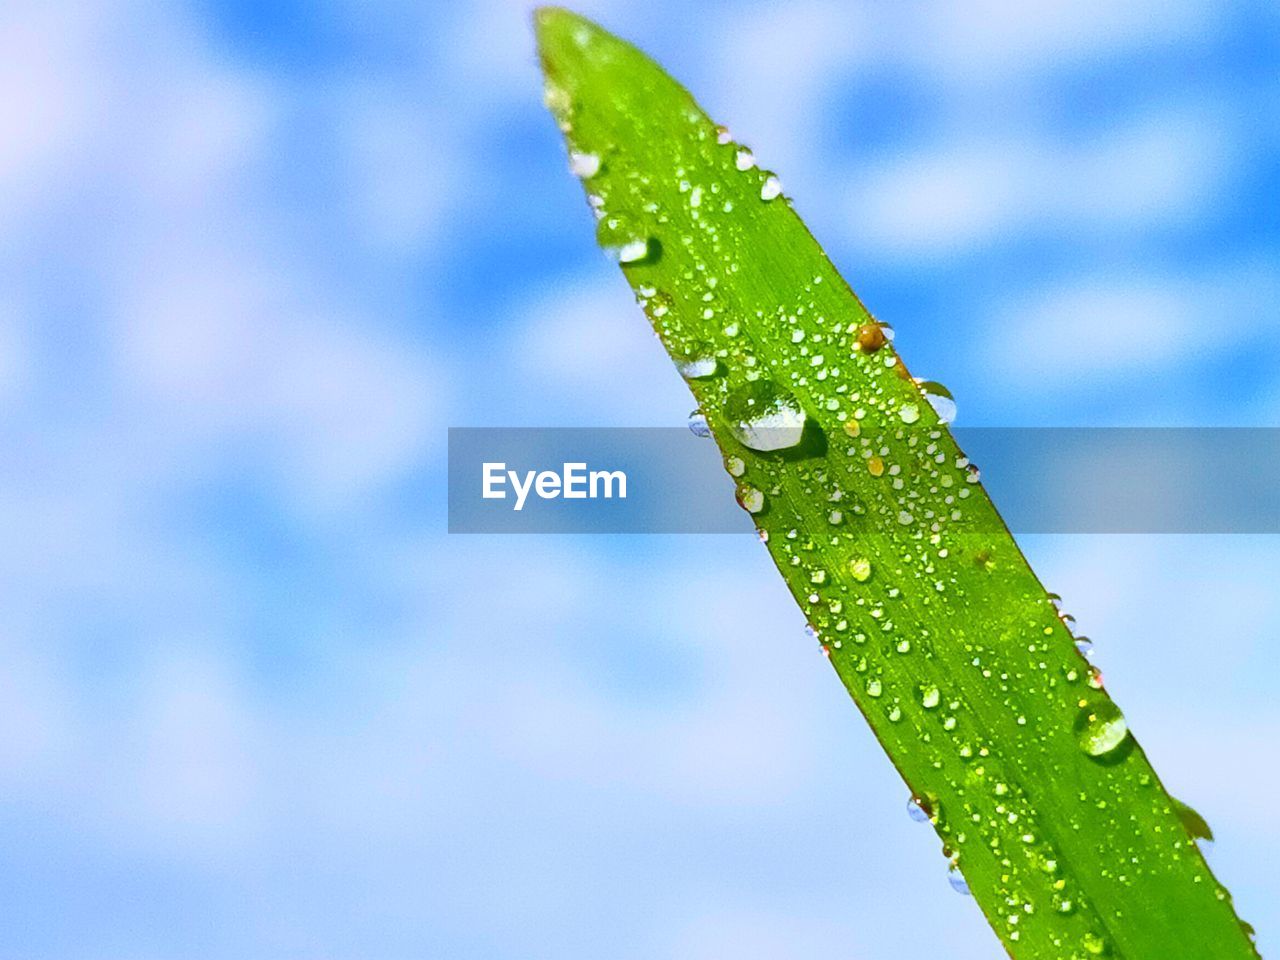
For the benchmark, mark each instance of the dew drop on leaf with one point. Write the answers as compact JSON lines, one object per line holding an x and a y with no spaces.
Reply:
{"x":698,"y":424}
{"x":751,"y":499}
{"x":698,"y":364}
{"x":772,"y":187}
{"x":633,"y":250}
{"x":1100,"y":728}
{"x":584,"y":165}
{"x":916,"y":810}
{"x":763,"y":417}
{"x":939,"y":397}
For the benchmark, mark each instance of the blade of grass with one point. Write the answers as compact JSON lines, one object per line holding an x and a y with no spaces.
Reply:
{"x":931,"y":616}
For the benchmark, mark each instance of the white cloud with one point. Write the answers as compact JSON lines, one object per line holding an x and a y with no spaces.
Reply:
{"x":1162,"y":168}
{"x":1002,"y":37}
{"x":587,"y":348}
{"x":1107,"y":327}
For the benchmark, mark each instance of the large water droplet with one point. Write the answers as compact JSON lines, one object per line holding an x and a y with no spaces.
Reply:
{"x":744,"y":159}
{"x":1100,"y":728}
{"x":772,"y":187}
{"x":763,"y":417}
{"x":1094,"y":944}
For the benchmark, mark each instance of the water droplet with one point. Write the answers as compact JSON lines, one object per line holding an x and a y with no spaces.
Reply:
{"x":771,"y":188}
{"x":875,"y":467}
{"x":621,"y":240}
{"x":939,"y":397}
{"x":735,"y":466}
{"x":763,"y":417}
{"x":852,"y":428}
{"x":1100,"y":728}
{"x":583,"y":165}
{"x":698,"y":424}
{"x":874,"y":688}
{"x":723,"y":135}
{"x":917,"y":810}
{"x":699,"y":363}
{"x":860,"y":569}
{"x":744,"y":159}
{"x":1094,"y":944}
{"x":909,"y":413}
{"x":1084,"y":645}
{"x":957,"y":880}
{"x":633,"y":250}
{"x":751,"y":499}
{"x":930,"y":697}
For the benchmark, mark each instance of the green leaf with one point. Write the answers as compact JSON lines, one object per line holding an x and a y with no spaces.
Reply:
{"x":931,"y":616}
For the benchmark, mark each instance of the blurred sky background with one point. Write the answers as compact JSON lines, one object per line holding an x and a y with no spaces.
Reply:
{"x":255,"y":258}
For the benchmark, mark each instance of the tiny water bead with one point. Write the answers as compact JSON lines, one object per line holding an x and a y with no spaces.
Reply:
{"x":1094,"y":944}
{"x":957,"y":880}
{"x":765,"y":418}
{"x":583,"y":165}
{"x":1100,"y":728}
{"x":917,"y":810}
{"x":698,"y":425}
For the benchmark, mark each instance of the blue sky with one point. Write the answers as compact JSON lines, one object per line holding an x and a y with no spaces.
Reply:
{"x":256,"y":258}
